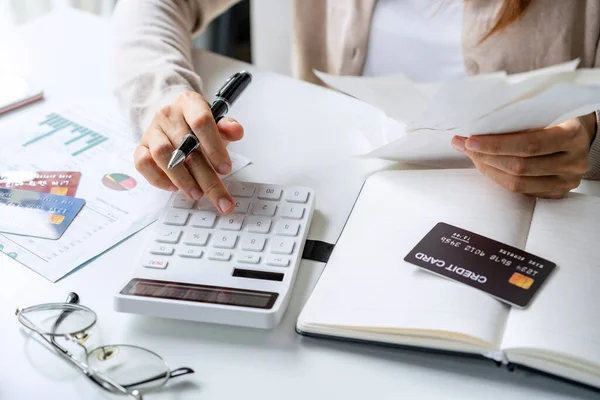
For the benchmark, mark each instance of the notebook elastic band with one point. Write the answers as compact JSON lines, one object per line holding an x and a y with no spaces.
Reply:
{"x":316,"y":250}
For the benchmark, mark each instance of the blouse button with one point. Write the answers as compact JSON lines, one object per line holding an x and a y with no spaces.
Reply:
{"x":472,"y":66}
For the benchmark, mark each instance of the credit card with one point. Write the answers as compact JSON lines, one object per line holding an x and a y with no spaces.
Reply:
{"x":62,"y":183}
{"x":37,"y":214}
{"x":505,"y":272}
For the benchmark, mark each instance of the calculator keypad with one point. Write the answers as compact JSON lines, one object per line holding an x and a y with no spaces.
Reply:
{"x":265,"y":230}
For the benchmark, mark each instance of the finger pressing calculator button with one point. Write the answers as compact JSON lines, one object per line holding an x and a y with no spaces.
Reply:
{"x":169,"y":235}
{"x":277,"y":261}
{"x":224,"y":240}
{"x":182,"y":201}
{"x":178,"y":218}
{"x":196,"y":237}
{"x":287,"y":228}
{"x":162,"y":249}
{"x":266,"y":209}
{"x":219,"y":255}
{"x":203,"y":219}
{"x":248,"y":258}
{"x":189,"y":252}
{"x":292,"y":211}
{"x":296,"y":195}
{"x":253,"y":243}
{"x":154,"y":263}
{"x":269,"y":193}
{"x":231,"y":222}
{"x":238,"y":189}
{"x":259,"y":225}
{"x":282,"y":246}
{"x":241,"y":206}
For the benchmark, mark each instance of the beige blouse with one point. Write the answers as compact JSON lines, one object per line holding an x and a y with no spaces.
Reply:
{"x":153,"y":43}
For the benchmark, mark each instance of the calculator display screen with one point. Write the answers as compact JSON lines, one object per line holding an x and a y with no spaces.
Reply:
{"x":199,"y":293}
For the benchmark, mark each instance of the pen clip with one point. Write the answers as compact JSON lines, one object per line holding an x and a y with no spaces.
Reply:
{"x":225,"y":86}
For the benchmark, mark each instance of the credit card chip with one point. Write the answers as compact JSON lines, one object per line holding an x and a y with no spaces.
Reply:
{"x":520,"y":280}
{"x":56,"y":219}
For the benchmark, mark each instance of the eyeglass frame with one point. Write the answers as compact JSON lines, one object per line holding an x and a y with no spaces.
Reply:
{"x":97,"y":377}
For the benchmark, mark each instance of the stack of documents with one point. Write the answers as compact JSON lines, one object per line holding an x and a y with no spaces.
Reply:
{"x":419,"y":120}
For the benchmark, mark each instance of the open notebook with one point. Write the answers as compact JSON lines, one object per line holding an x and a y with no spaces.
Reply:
{"x":368,"y":292}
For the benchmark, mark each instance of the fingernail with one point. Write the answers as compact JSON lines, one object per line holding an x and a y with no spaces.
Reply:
{"x":458,"y":143}
{"x":224,"y":168}
{"x":230,"y":121}
{"x":225,"y":204}
{"x":196,"y":194}
{"x":472,"y":144}
{"x":173,"y":188}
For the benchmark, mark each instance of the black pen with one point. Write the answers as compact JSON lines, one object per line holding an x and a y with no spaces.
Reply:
{"x":225,"y":98}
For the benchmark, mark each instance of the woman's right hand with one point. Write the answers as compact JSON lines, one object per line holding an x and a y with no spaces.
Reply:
{"x":196,"y":177}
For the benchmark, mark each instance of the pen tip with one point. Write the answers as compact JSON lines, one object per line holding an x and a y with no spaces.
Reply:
{"x":176,"y":159}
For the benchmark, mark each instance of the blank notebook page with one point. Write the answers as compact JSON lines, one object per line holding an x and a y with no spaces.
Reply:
{"x":564,"y":317}
{"x":367,"y":284}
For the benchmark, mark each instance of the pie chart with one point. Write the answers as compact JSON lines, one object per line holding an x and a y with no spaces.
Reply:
{"x":119,"y":182}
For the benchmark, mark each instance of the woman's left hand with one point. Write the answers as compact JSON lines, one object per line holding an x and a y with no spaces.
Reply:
{"x":545,"y":163}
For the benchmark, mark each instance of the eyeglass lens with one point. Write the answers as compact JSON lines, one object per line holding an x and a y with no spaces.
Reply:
{"x":130,"y":366}
{"x":58,"y":319}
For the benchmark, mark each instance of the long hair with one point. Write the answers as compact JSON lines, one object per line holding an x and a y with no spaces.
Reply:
{"x":510,"y":11}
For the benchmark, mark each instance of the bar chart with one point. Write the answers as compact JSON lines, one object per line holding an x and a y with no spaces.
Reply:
{"x":77,"y":138}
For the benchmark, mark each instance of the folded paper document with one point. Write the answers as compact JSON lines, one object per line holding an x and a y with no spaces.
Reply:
{"x":419,"y":120}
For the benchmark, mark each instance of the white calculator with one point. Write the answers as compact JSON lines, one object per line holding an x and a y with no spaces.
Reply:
{"x":236,"y":269}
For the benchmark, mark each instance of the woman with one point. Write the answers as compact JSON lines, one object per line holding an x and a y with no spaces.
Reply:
{"x":157,"y":83}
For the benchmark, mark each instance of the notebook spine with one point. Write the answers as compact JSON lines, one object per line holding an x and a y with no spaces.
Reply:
{"x":498,"y":356}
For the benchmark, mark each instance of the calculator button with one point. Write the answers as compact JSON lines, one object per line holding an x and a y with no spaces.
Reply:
{"x":182,"y":201}
{"x":154,"y":263}
{"x":196,"y":237}
{"x":189,"y":252}
{"x":241,"y":206}
{"x":205,"y":204}
{"x":169,"y":235}
{"x":253,"y":243}
{"x":287,"y":228}
{"x":203,"y":219}
{"x":292,"y":211}
{"x":178,"y":218}
{"x":219,"y":255}
{"x":277,"y":261}
{"x":238,"y":189}
{"x":269,"y":193}
{"x":248,"y":258}
{"x":296,"y":195}
{"x":259,"y":225}
{"x":162,"y":249}
{"x":282,"y":246}
{"x":224,"y":240}
{"x":231,"y":223}
{"x":266,"y":209}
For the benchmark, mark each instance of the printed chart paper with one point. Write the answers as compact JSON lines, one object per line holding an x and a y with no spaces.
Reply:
{"x":119,"y":201}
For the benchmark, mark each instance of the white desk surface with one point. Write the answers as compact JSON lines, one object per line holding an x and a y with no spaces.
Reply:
{"x":305,"y":139}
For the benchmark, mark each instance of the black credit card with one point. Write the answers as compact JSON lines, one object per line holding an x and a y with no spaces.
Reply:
{"x":505,"y":272}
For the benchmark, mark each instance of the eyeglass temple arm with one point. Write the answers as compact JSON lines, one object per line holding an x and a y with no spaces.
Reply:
{"x":174,"y":374}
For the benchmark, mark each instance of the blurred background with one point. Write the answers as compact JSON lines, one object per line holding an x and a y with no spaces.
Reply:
{"x":256,"y":31}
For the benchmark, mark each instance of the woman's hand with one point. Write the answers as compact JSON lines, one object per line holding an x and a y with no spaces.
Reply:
{"x":195,"y":177}
{"x":546,"y":163}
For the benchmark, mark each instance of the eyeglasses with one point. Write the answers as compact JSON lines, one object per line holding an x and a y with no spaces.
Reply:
{"x":119,"y":369}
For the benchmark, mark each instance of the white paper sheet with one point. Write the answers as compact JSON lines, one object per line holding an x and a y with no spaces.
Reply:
{"x":96,"y":145}
{"x":483,"y":104}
